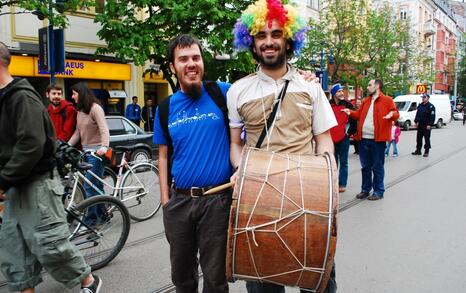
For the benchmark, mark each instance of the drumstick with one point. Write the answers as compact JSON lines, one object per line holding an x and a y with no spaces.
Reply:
{"x":218,"y":188}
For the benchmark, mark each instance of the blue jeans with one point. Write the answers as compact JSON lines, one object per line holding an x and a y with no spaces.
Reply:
{"x":341,"y":157}
{"x":395,"y":148}
{"x":372,"y":157}
{"x":96,"y":212}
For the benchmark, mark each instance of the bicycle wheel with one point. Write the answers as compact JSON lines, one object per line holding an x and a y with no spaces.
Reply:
{"x":110,"y":178}
{"x":140,"y":191}
{"x":100,"y":238}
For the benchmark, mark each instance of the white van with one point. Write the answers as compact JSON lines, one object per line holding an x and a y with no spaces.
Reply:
{"x":407,"y":106}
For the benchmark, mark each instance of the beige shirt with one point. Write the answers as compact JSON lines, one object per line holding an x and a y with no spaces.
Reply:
{"x":91,"y":129}
{"x":303,"y":113}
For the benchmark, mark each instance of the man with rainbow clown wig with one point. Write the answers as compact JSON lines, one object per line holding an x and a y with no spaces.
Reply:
{"x":273,"y":33}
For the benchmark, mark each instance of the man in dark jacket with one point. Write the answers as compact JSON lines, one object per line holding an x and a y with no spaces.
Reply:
{"x":148,"y":114}
{"x":34,"y":232}
{"x":425,"y":119}
{"x":62,"y":113}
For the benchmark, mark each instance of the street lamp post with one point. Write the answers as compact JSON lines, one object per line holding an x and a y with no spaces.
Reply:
{"x":322,"y":74}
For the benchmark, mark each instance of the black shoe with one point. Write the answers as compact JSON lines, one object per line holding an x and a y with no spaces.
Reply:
{"x":416,"y":153}
{"x":362,"y":195}
{"x":374,"y":197}
{"x":94,"y":287}
{"x":425,"y":155}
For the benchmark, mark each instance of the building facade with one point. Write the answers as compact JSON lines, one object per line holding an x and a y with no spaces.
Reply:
{"x":106,"y":75}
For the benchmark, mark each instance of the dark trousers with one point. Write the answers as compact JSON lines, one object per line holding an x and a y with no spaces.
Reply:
{"x":372,"y":158}
{"x":149,"y":125}
{"x":257,"y":287}
{"x":195,"y":224}
{"x":423,"y":133}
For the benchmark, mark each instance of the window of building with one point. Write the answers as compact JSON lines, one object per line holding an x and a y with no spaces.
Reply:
{"x":313,"y":4}
{"x":99,"y":6}
{"x":403,"y":14}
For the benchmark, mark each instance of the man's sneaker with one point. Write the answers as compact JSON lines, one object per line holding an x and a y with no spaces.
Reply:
{"x":374,"y":197}
{"x":426,"y":155}
{"x":395,"y":155}
{"x":94,"y":287}
{"x":416,"y":153}
{"x":362,"y":195}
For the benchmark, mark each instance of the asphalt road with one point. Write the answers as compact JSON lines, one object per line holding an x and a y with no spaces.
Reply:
{"x":412,"y":241}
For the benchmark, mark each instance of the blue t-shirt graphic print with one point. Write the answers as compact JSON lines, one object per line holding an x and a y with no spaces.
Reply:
{"x":200,"y":140}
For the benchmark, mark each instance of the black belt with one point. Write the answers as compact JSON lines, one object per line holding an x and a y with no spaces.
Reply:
{"x":197,"y":191}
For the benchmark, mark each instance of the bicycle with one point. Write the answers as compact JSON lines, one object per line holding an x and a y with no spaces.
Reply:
{"x":137,"y":188}
{"x":99,"y":242}
{"x":99,"y":226}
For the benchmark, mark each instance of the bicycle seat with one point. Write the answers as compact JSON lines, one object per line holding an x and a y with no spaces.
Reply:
{"x":125,"y":148}
{"x":84,"y":166}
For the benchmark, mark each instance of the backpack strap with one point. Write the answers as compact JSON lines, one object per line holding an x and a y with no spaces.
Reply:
{"x":164,"y":108}
{"x":216,"y":94}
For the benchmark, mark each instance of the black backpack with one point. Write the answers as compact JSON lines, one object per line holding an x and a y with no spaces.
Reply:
{"x":215,"y":93}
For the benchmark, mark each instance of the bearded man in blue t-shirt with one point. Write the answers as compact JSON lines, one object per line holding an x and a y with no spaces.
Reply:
{"x":194,"y":222}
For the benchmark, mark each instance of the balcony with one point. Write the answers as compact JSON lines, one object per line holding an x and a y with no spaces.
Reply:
{"x":429,"y":28}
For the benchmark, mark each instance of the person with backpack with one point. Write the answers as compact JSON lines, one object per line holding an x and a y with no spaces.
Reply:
{"x":191,"y":129}
{"x":34,"y":232}
{"x":62,"y":113}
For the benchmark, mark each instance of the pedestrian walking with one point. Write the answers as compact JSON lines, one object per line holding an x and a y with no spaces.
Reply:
{"x":425,"y":119}
{"x":396,"y":131}
{"x":375,"y":118}
{"x":34,"y":232}
{"x":303,"y":114}
{"x":191,"y":130}
{"x":62,"y":113}
{"x":341,"y":133}
{"x":464,"y":114}
{"x":93,"y":134}
{"x":133,"y":111}
{"x":148,"y":115}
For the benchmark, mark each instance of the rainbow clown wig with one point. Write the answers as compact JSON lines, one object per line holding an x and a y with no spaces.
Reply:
{"x":262,"y":13}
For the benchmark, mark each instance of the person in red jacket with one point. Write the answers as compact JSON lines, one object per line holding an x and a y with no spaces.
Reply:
{"x":62,"y":113}
{"x":375,"y":118}
{"x":341,"y":133}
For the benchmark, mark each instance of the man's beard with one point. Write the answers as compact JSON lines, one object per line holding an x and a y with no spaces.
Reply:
{"x":272,"y":64}
{"x":194,"y":90}
{"x":56,"y":103}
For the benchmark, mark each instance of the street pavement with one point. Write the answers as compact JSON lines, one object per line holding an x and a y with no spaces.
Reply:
{"x":412,"y":241}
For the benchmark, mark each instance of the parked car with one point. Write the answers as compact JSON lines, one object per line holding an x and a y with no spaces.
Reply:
{"x":125,"y":133}
{"x":457,"y":115}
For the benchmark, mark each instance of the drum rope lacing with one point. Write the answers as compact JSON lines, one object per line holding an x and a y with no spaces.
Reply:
{"x":292,"y":217}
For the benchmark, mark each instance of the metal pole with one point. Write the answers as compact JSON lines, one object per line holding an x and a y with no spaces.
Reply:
{"x":51,"y":45}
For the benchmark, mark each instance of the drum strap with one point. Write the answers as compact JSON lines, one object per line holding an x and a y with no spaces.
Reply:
{"x":272,"y":115}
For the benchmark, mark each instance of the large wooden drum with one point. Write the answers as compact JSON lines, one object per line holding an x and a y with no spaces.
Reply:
{"x":283,"y":219}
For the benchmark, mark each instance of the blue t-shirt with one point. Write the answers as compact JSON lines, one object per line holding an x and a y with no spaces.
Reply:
{"x":201,"y":150}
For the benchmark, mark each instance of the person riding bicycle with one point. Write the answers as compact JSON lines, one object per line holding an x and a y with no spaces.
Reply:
{"x":34,"y":232}
{"x":92,"y":131}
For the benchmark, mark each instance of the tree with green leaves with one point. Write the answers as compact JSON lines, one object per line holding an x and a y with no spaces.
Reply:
{"x":461,"y":82}
{"x":41,"y":8}
{"x":365,"y":43}
{"x":139,"y":31}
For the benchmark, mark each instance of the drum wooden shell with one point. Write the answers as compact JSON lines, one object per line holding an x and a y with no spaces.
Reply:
{"x":283,"y":219}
